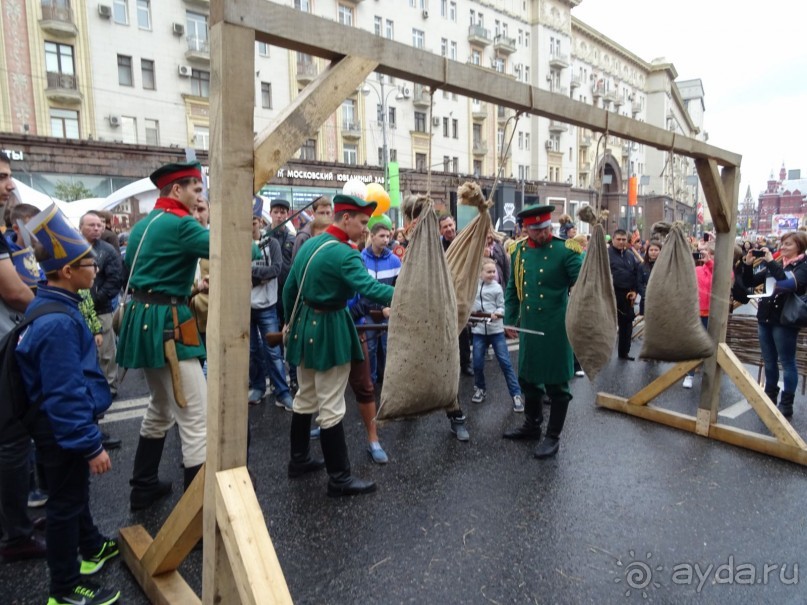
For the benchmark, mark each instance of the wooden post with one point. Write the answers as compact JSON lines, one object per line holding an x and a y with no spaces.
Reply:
{"x":232,"y":104}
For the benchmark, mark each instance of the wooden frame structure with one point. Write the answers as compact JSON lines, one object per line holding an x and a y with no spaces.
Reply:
{"x":221,"y":504}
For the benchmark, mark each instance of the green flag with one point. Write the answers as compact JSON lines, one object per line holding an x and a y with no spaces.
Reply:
{"x":394,"y":185}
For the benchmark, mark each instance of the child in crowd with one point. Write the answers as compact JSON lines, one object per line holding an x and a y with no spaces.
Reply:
{"x":490,"y":299}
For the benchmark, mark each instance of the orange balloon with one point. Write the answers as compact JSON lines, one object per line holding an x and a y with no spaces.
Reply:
{"x":376,"y":193}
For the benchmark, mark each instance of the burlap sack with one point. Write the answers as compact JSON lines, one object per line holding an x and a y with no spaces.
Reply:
{"x":591,"y":313}
{"x":466,"y":252}
{"x":422,"y":371}
{"x":673,"y":329}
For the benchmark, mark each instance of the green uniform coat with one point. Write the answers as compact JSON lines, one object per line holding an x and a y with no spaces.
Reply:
{"x":326,"y":339}
{"x":546,"y":274}
{"x":167,"y":265}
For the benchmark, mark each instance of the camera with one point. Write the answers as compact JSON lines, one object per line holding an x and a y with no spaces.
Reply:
{"x":758,"y":253}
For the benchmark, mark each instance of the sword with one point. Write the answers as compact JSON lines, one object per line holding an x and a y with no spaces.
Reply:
{"x":524,"y":330}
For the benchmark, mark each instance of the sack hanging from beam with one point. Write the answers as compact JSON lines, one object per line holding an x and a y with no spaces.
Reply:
{"x":464,"y":255}
{"x":673,"y":329}
{"x":591,"y":324}
{"x":422,"y":371}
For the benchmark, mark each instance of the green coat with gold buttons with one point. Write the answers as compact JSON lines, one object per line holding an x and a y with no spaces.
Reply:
{"x":535,"y":298}
{"x":323,"y":334}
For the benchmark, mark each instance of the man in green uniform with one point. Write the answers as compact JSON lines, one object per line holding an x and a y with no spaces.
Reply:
{"x":158,"y":332}
{"x":543,"y":270}
{"x":322,"y":339}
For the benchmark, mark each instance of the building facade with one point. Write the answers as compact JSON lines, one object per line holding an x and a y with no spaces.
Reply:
{"x":782,"y":206}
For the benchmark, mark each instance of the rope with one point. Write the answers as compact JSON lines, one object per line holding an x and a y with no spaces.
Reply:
{"x":431,"y":138}
{"x":504,"y":151}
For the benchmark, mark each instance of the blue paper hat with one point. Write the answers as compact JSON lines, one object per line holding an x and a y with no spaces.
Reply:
{"x":27,"y":268}
{"x":56,"y":242}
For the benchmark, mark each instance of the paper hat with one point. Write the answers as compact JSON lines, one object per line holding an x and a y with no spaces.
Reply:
{"x":257,"y":206}
{"x":55,"y":241}
{"x":165,"y":175}
{"x":27,"y":268}
{"x":536,"y":217}
{"x":349,"y":203}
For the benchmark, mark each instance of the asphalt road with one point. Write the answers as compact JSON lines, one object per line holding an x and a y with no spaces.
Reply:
{"x":629,"y":511}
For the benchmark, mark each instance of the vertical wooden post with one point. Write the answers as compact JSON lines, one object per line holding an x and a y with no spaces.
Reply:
{"x":719,"y":302}
{"x":231,"y":166}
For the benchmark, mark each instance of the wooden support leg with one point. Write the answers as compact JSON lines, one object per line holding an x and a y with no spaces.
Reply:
{"x":664,"y":382}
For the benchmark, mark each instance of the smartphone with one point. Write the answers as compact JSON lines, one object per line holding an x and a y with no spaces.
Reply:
{"x":696,"y":256}
{"x":758,"y":253}
{"x":707,"y":236}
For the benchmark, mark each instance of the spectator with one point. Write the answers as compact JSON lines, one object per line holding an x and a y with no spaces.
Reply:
{"x":653,"y":250}
{"x":703,"y":272}
{"x":322,"y":207}
{"x":448,"y":231}
{"x":495,"y":250}
{"x":625,"y":273}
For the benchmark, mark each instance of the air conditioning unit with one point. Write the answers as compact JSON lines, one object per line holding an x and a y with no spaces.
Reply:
{"x":184,"y":71}
{"x":178,"y":29}
{"x":114,"y":121}
{"x":425,"y":14}
{"x":105,"y":11}
{"x":435,"y":121}
{"x":406,"y":91}
{"x":548,"y":145}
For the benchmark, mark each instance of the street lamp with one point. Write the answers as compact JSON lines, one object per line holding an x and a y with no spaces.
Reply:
{"x":383,"y":97}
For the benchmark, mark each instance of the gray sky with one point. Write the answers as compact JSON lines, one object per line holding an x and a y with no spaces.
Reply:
{"x":751,"y":58}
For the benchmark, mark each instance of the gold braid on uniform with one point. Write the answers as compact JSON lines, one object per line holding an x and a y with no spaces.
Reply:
{"x":519,"y":268}
{"x":574,"y":246}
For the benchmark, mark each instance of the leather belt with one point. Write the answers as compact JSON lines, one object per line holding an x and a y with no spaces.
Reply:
{"x":323,"y":308}
{"x":158,"y":298}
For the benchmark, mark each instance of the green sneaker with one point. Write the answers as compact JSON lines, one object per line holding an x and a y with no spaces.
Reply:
{"x":86,"y":593}
{"x":93,"y":564}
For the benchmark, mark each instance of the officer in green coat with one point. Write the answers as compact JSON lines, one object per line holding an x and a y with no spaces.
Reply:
{"x":158,"y":332}
{"x":543,"y":270}
{"x":322,"y":339}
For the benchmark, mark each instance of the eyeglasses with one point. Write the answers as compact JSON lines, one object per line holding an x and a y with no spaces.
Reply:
{"x":94,"y":265}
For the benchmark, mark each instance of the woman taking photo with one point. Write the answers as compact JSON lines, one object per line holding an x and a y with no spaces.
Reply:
{"x":653,"y":250}
{"x":778,"y":342}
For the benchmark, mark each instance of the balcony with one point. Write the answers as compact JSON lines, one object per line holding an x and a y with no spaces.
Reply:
{"x":504,"y":44}
{"x":306,"y":71}
{"x":480,"y":148}
{"x":198,"y":49}
{"x":503,"y":114}
{"x":585,"y":167}
{"x":585,"y":141}
{"x":557,"y":127}
{"x":637,"y":107}
{"x":63,"y":88}
{"x":478,"y":35}
{"x":559,"y":60}
{"x":612,"y":96}
{"x":421,"y":97}
{"x":597,"y":90}
{"x":576,"y":81}
{"x":351,"y":130}
{"x":479,"y":111}
{"x":205,"y":3}
{"x":57,"y":20}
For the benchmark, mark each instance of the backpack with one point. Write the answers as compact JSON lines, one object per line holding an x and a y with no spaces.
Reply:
{"x":17,"y":413}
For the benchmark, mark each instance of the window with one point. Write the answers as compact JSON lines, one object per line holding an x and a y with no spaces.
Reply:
{"x":344,"y":14}
{"x":128,"y":129}
{"x":452,"y":12}
{"x":477,"y":134}
{"x":152,"y":132}
{"x":473,"y":17}
{"x":303,"y":5}
{"x":144,"y":14}
{"x":390,"y":30}
{"x":476,"y":57}
{"x":201,"y":137}
{"x":59,"y":60}
{"x":527,"y":141}
{"x":418,"y":38}
{"x":196,"y":30}
{"x":420,"y":161}
{"x":444,"y":8}
{"x":445,"y":127}
{"x":500,"y":140}
{"x":393,"y":155}
{"x":420,"y":121}
{"x":348,"y":112}
{"x":521,"y":140}
{"x":477,"y":167}
{"x":125,"y":77}
{"x":120,"y":11}
{"x":527,"y":73}
{"x":446,"y":163}
{"x":378,"y":23}
{"x":453,"y":51}
{"x":200,"y":83}
{"x":266,"y":95}
{"x":443,"y":47}
{"x":391,"y":117}
{"x":350,"y":154}
{"x":263,"y":49}
{"x":147,"y":74}
{"x":380,"y":156}
{"x":456,"y":164}
{"x":497,"y":27}
{"x":455,"y":128}
{"x":498,"y":64}
{"x":412,"y":3}
{"x":309,"y":150}
{"x":64,"y":123}
{"x":520,"y":37}
{"x":526,"y":39}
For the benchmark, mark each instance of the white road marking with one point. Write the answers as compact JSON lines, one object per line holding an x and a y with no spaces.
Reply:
{"x":125,"y":409}
{"x":741,"y":407}
{"x":128,"y":403}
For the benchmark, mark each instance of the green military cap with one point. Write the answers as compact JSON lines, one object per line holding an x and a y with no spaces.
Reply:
{"x":165,"y":175}
{"x":351,"y":203}
{"x":536,"y":217}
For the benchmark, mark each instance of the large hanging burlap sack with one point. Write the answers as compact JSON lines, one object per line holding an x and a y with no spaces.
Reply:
{"x":591,"y":324}
{"x":422,"y":371}
{"x":464,"y":255}
{"x":673,"y":329}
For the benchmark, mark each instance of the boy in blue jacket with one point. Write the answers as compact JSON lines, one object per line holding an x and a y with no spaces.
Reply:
{"x":58,"y":364}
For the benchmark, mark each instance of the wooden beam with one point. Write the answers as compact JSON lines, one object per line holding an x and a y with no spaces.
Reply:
{"x":254,"y":562}
{"x":648,"y":412}
{"x":757,"y":399}
{"x":232,"y":51}
{"x":180,"y":532}
{"x":664,"y":382}
{"x":717,"y":198}
{"x":759,"y":443}
{"x":304,"y":32}
{"x":302,"y":118}
{"x":166,"y":589}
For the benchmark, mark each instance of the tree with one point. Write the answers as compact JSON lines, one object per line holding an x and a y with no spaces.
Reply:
{"x":70,"y":192}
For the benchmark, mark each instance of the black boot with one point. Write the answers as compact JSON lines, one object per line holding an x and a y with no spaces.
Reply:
{"x":773,"y":394}
{"x":557,"y":417}
{"x":301,"y":461}
{"x":340,"y":482}
{"x":146,"y":485}
{"x":786,"y":404}
{"x":533,"y":417}
{"x":189,"y":474}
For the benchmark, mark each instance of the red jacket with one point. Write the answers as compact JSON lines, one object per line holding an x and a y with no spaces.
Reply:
{"x":704,"y":275}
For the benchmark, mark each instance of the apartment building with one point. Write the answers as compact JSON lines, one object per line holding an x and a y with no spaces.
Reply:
{"x":134,"y":75}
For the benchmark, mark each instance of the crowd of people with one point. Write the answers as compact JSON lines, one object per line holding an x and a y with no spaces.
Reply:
{"x":319,"y":306}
